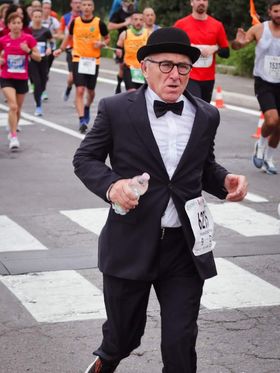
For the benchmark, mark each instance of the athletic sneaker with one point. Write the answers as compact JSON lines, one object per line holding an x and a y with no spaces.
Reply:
{"x":269,"y":167}
{"x":87,"y":114}
{"x":83,"y":125}
{"x":45,"y":96}
{"x":14,"y":143}
{"x":258,"y":155}
{"x":67,"y":94}
{"x":100,"y":366}
{"x":38,"y":111}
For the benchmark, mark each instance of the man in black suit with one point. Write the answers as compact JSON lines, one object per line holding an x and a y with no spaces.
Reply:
{"x":165,"y":239}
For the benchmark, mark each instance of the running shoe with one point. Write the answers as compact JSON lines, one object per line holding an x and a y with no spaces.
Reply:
{"x":14,"y":143}
{"x":258,"y":155}
{"x":66,"y":94}
{"x":100,"y":366}
{"x":87,"y":114}
{"x":269,"y":167}
{"x":45,"y":96}
{"x":83,"y":126}
{"x":38,"y":111}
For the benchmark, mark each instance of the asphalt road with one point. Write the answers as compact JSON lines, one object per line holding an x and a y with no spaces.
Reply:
{"x":51,"y":308}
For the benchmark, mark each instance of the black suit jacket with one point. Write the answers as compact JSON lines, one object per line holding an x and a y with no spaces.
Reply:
{"x":128,"y":244}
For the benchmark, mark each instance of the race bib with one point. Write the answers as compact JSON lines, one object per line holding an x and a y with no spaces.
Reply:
{"x":87,"y":66}
{"x":16,"y":63}
{"x":203,"y":61}
{"x":272,"y":67}
{"x":136,"y":75}
{"x":41,"y":45}
{"x":202,"y":225}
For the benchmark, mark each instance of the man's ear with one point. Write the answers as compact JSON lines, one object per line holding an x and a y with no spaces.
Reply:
{"x":144,"y":69}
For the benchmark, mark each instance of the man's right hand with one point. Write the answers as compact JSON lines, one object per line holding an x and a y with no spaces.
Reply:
{"x":122,"y":194}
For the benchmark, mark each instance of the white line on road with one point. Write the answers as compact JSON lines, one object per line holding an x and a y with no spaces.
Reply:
{"x":57,"y":296}
{"x":4,"y":121}
{"x":255,"y":198}
{"x":91,"y":219}
{"x":47,"y":123}
{"x":244,"y":220}
{"x":235,"y":287}
{"x":15,"y":238}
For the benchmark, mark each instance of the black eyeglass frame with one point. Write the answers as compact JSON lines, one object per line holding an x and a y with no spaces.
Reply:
{"x":178,"y":65}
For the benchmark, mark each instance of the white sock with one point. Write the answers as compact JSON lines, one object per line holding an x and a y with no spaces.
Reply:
{"x":262,"y":141}
{"x":269,"y":152}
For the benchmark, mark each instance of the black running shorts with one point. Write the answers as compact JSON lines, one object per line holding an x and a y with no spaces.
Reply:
{"x":268,"y":94}
{"x":84,"y":80}
{"x":21,"y":86}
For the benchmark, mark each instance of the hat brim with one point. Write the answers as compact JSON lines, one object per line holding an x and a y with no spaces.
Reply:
{"x":192,"y":52}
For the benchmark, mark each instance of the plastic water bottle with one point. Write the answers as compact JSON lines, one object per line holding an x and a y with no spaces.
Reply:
{"x":139,"y":185}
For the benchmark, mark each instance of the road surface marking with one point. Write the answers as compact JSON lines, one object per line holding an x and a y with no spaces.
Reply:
{"x":57,"y":296}
{"x":15,"y":238}
{"x":4,"y":121}
{"x":255,"y":198}
{"x":244,"y":220}
{"x":47,"y":123}
{"x":235,"y":287}
{"x":91,"y":219}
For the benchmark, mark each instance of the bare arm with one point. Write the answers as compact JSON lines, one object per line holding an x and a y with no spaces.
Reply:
{"x":244,"y":38}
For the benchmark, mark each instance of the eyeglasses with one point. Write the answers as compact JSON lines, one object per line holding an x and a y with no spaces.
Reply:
{"x":167,"y":66}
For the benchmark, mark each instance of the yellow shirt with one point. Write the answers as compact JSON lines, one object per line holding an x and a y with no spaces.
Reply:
{"x":85,"y":34}
{"x":132,"y":43}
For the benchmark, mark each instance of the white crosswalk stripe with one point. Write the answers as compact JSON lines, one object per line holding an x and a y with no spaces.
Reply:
{"x":14,"y":238}
{"x":244,"y":220}
{"x":57,"y":296}
{"x":236,"y":288}
{"x":63,"y":296}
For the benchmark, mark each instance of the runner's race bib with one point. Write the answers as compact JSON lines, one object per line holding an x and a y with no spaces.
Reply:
{"x":203,"y":61}
{"x":272,"y":67}
{"x":16,"y":63}
{"x":87,"y":66}
{"x":41,"y":45}
{"x":202,"y":225}
{"x":136,"y":75}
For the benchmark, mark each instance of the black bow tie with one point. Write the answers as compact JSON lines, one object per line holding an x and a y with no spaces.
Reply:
{"x":161,"y":108}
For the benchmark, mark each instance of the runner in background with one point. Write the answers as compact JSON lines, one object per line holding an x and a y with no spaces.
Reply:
{"x":89,"y":34}
{"x":128,"y":44}
{"x":267,"y":83}
{"x":150,"y":20}
{"x":207,"y":34}
{"x":116,"y":5}
{"x":120,"y":21}
{"x":16,"y":47}
{"x":38,"y":70}
{"x":22,"y":13}
{"x":3,"y":10}
{"x":53,"y":25}
{"x":65,"y":22}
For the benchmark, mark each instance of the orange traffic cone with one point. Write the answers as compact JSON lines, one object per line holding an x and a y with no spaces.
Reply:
{"x":219,"y":102}
{"x":259,"y":128}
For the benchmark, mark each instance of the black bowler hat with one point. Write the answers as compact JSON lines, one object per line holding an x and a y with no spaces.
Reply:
{"x":168,"y":40}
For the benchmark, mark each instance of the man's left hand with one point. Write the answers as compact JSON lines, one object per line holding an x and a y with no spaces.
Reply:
{"x":237,"y":187}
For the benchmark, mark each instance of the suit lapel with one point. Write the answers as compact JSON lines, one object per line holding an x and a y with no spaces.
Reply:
{"x":138,"y":113}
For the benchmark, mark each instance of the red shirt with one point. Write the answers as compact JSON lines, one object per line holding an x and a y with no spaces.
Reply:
{"x":204,"y":32}
{"x":16,"y":60}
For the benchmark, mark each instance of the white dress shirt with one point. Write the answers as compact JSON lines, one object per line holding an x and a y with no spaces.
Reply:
{"x":172,"y":133}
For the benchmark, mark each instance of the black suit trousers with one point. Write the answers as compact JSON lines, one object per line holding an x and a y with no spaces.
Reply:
{"x":178,"y":288}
